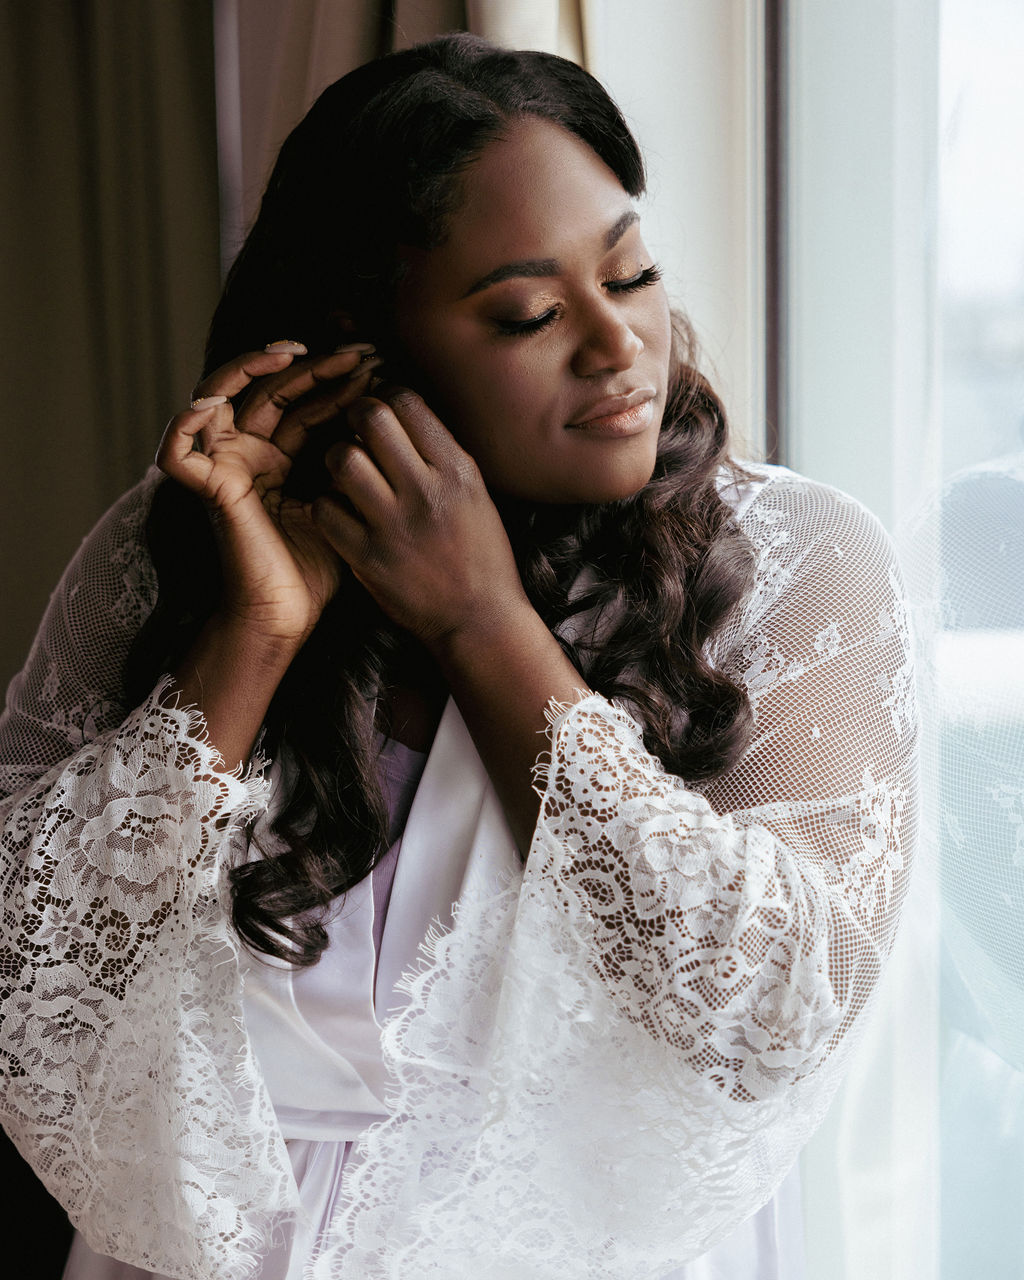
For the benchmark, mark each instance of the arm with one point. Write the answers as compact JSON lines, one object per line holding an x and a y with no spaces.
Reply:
{"x":663,"y":1010}
{"x":796,"y":822}
{"x":111,"y":943}
{"x":278,"y":572}
{"x":418,"y":528}
{"x":504,"y":674}
{"x":748,"y":925}
{"x":745,"y":928}
{"x":127,"y":1075}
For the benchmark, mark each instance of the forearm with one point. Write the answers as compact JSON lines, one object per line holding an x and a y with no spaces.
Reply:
{"x":502,"y":673}
{"x":230,"y":676}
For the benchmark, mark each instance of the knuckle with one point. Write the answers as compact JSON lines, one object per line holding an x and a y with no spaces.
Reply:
{"x":164,"y":448}
{"x":373,"y":414}
{"x":345,"y":458}
{"x":463,"y":472}
{"x":322,"y":508}
{"x":403,"y":400}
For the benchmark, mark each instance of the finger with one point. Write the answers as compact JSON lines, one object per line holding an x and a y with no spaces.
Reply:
{"x":274,"y":396}
{"x":388,"y":441}
{"x":294,"y":427}
{"x":232,"y":378}
{"x":356,"y":476}
{"x":342,"y":528}
{"x":176,"y":455}
{"x":431,"y":439}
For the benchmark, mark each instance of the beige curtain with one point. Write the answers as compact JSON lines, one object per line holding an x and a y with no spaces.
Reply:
{"x":275,"y":56}
{"x":108,"y":265}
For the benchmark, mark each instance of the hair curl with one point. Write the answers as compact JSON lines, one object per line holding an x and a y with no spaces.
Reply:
{"x":376,"y":164}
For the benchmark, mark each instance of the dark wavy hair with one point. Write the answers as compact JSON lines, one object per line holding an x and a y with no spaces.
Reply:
{"x":376,"y":165}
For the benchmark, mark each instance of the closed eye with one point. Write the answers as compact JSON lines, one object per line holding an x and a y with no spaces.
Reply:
{"x":650,"y":275}
{"x":534,"y":324}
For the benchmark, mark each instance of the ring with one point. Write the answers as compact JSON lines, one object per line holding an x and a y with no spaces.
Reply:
{"x":207,"y":402}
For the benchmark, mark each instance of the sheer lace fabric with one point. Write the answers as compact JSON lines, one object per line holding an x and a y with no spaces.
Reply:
{"x":600,"y":1070}
{"x":671,"y":1020}
{"x":126,"y":1079}
{"x":965,"y":558}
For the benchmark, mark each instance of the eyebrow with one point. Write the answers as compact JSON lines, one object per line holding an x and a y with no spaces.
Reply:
{"x":537,"y":268}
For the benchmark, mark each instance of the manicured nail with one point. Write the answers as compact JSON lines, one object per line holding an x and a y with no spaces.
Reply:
{"x":292,"y":348}
{"x":367,"y":347}
{"x":208,"y":402}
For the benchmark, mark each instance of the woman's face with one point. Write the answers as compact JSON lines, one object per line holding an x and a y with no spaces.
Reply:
{"x":538,"y":331}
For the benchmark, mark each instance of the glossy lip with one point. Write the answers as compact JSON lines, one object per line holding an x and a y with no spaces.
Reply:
{"x":619,"y":415}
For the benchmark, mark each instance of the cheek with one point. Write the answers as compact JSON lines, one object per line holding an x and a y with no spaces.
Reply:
{"x":661,"y":326}
{"x":495,"y":396}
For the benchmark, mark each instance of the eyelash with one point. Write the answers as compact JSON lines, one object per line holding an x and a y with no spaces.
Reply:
{"x":523,"y":328}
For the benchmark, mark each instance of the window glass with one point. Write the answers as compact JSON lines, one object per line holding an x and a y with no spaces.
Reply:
{"x":980,"y":646}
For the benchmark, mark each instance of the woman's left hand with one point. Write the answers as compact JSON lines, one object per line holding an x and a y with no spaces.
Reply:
{"x":412,"y":517}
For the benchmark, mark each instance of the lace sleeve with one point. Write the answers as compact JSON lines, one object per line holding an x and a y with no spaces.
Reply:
{"x":662,"y":1012}
{"x":125,"y":1077}
{"x":69,"y":690}
{"x":741,"y":931}
{"x":746,"y":927}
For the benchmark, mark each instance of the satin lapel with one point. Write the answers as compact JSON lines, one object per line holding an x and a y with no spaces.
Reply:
{"x":456,"y":834}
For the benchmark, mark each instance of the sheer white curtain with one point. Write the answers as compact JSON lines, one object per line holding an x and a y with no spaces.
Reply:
{"x":905,"y":279}
{"x":977,"y":524}
{"x":861,"y":187}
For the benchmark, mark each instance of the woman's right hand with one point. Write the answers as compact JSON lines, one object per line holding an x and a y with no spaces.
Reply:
{"x":278,"y":569}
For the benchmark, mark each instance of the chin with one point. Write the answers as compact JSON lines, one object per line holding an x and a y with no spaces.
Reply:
{"x":602,"y":489}
{"x":576,"y":481}
{"x":620,"y":492}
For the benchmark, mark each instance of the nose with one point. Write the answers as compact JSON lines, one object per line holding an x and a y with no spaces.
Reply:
{"x":607,"y":341}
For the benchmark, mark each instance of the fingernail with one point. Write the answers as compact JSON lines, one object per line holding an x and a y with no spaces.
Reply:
{"x":367,"y":363}
{"x":292,"y":348}
{"x":207,"y":402}
{"x":368,"y":347}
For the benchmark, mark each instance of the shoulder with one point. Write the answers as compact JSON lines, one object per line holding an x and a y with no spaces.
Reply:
{"x":127,"y":516}
{"x":113,"y":565}
{"x":819,"y":552}
{"x":69,"y":690}
{"x":107,"y":590}
{"x":784,"y":512}
{"x":121,"y":528}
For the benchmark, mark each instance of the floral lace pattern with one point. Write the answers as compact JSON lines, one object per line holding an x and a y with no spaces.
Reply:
{"x":600,"y":1071}
{"x":126,"y":1079}
{"x":683,"y":970}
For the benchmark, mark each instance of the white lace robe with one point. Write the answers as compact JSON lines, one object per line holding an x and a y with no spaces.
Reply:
{"x":603,"y":1066}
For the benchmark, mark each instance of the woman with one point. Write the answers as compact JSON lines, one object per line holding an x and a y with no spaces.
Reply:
{"x":226,"y":838}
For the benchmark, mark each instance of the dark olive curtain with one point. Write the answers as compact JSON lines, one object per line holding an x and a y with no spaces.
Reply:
{"x":108,"y":265}
{"x":108,"y":273}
